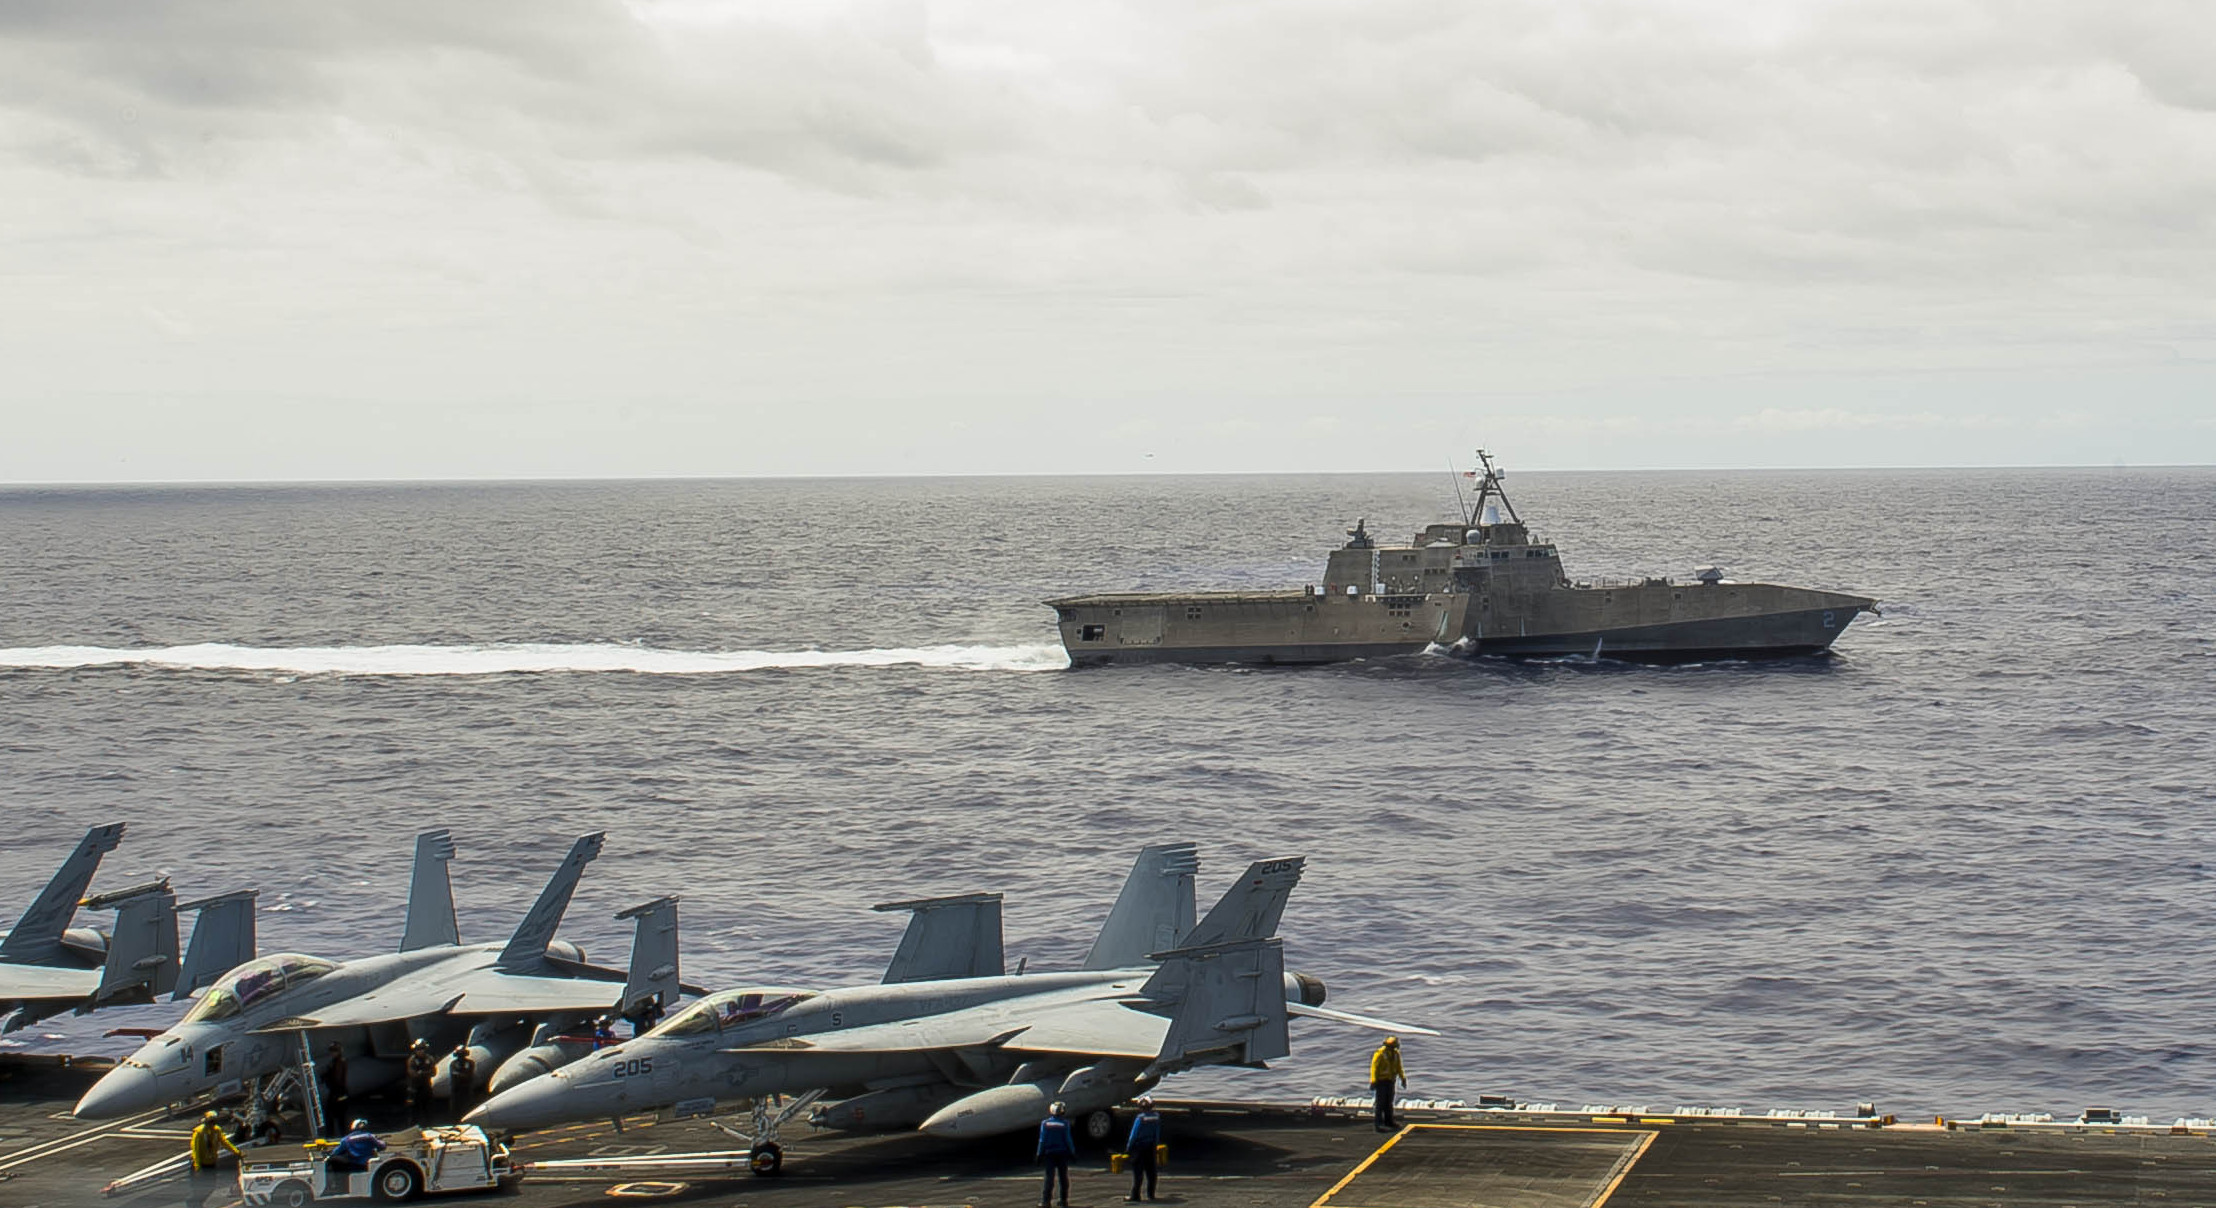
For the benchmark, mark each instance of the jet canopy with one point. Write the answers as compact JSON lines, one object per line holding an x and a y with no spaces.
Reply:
{"x":254,"y":981}
{"x":730,"y":1009}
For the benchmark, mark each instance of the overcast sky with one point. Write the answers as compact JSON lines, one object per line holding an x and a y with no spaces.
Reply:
{"x":282,"y":240}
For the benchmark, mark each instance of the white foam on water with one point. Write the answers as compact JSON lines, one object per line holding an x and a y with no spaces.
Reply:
{"x":525,"y":658}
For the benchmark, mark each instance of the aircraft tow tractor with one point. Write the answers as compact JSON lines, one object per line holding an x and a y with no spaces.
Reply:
{"x":433,"y":1161}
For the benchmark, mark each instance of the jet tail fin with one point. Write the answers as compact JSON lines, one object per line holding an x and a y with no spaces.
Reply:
{"x":1251,"y":908}
{"x":1229,"y":1005}
{"x":949,"y":937}
{"x":528,"y":945}
{"x":1154,"y":910}
{"x":36,"y":938}
{"x":142,"y":950}
{"x":431,"y":895}
{"x":653,"y":977}
{"x":222,"y":939}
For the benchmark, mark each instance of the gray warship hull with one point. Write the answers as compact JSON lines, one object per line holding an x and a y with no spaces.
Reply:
{"x":1248,"y":628}
{"x":1482,"y":587}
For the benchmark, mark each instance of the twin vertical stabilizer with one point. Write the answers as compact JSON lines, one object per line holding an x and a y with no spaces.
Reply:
{"x":528,"y":945}
{"x":1153,"y":912}
{"x":948,"y":937}
{"x":36,"y":938}
{"x":431,"y":895}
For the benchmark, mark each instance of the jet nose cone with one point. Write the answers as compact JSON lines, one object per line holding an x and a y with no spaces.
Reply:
{"x":120,"y":1091}
{"x":535,"y":1104}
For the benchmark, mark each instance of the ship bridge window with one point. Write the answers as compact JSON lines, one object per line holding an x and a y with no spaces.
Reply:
{"x":1535,"y":553}
{"x":1500,"y":555}
{"x":1092,"y":633}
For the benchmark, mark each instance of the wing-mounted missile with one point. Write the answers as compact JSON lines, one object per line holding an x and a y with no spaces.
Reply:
{"x":950,"y":937}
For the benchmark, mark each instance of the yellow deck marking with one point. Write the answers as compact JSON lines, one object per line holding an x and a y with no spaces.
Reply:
{"x":1624,"y":1168}
{"x":1355,"y":1173}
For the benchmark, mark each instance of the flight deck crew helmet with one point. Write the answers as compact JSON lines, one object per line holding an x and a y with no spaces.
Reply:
{"x":361,"y":1125}
{"x":1392,"y":1042}
{"x":208,"y":1116}
{"x":1059,"y":1108}
{"x":1145,"y":1103}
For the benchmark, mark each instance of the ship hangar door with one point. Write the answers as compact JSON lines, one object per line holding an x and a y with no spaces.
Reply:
{"x":1139,"y":626}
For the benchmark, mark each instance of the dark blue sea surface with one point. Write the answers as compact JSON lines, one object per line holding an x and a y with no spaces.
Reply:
{"x":1961,"y":865}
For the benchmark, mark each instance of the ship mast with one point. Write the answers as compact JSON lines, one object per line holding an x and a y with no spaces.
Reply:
{"x":1489,"y":487}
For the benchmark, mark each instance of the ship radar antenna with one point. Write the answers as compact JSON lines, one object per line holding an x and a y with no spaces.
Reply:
{"x":1488,"y":487}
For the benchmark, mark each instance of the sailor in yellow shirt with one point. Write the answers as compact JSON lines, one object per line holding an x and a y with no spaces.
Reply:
{"x":209,"y":1142}
{"x":1384,"y":1071}
{"x":207,"y":1145}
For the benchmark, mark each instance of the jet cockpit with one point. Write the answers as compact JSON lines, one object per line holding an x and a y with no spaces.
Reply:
{"x":250,"y":983}
{"x":730,"y":1009}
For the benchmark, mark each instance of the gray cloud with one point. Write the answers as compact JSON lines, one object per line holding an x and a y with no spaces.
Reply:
{"x":712,"y":218}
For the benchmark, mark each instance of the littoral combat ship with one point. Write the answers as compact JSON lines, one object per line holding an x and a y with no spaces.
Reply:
{"x":1479,"y":587}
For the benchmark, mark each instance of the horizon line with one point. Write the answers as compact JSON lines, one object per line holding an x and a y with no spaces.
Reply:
{"x":531,"y":479}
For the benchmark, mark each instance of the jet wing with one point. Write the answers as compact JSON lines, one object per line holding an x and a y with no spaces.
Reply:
{"x":28,"y":983}
{"x":1101,"y":1027}
{"x":481,"y":992}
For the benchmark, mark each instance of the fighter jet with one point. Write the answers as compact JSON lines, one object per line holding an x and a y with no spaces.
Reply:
{"x":264,"y":1017}
{"x":48,"y":967}
{"x":965,"y":1057}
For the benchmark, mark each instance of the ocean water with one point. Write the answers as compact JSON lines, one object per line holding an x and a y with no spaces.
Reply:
{"x":1961,"y":865}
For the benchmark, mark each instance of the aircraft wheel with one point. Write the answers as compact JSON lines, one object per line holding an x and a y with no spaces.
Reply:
{"x":292,"y":1193}
{"x":396,"y":1182}
{"x":1100,"y":1125}
{"x":767,"y":1159}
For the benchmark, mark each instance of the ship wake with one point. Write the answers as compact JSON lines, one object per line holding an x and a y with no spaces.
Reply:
{"x":514,"y":659}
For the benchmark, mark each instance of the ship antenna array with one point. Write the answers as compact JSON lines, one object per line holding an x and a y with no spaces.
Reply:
{"x":1489,"y":487}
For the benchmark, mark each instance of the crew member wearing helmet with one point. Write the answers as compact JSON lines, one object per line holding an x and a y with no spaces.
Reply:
{"x":1057,"y":1145}
{"x":209,"y":1141}
{"x":1146,"y":1134}
{"x":355,"y":1150}
{"x":461,"y":1080}
{"x":422,"y":1066}
{"x":207,"y":1146}
{"x":1384,"y":1070}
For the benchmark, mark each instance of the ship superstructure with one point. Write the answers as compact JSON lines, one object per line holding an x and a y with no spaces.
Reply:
{"x":1479,"y":586}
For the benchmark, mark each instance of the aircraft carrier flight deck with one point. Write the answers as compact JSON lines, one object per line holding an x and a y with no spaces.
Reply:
{"x":1240,"y":1155}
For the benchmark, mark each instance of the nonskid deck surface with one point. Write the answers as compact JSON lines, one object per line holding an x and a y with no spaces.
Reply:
{"x":1239,"y":1156}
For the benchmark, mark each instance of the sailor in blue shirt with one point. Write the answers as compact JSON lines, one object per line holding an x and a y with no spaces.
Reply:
{"x":1057,"y":1145}
{"x":354,"y":1151}
{"x":1146,"y":1133}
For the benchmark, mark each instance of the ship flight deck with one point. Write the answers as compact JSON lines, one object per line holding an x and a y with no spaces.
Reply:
{"x":1238,"y":1155}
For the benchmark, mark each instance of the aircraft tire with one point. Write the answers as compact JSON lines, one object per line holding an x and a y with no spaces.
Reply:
{"x":1100,"y":1125}
{"x":768,"y":1159}
{"x":397,"y":1182}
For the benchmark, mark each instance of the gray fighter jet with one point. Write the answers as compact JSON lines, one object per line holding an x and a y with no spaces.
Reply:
{"x":263,"y":1018}
{"x":972,"y":1056}
{"x":48,"y":966}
